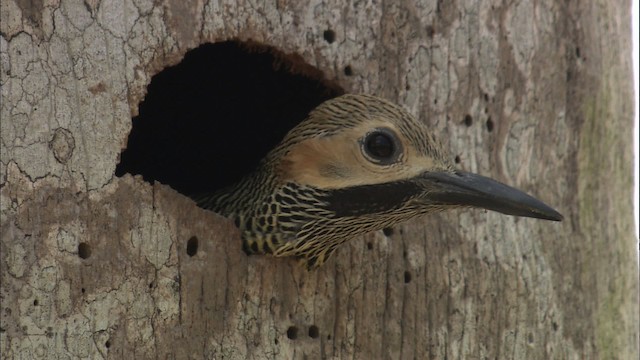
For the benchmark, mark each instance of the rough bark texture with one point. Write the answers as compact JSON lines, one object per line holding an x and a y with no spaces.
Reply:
{"x":93,"y":265}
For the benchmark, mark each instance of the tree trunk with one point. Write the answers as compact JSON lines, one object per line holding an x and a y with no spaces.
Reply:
{"x":535,"y":94}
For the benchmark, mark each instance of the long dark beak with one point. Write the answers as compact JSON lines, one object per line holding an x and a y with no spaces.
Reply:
{"x":467,"y":189}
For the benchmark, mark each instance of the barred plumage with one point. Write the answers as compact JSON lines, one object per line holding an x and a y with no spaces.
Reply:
{"x":357,"y":164}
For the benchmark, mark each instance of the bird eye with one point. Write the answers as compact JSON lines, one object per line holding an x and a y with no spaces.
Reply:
{"x":380,"y":146}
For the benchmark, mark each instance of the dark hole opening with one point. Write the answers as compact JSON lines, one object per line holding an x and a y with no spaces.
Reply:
{"x":388,"y":231}
{"x":192,"y":246}
{"x":107,"y":344}
{"x":208,"y":121}
{"x":407,"y":277}
{"x":84,"y":250}
{"x":489,"y":124}
{"x":329,"y":36}
{"x":292,"y":332}
{"x":314,"y":332}
{"x":468,"y":120}
{"x":430,"y":31}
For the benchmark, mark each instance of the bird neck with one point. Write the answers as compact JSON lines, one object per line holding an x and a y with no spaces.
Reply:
{"x":239,"y":198}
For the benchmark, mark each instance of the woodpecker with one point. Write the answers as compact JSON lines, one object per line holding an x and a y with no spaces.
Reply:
{"x":356,"y":164}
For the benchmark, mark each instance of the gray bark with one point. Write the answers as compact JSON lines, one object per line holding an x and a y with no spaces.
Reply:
{"x":95,"y":266}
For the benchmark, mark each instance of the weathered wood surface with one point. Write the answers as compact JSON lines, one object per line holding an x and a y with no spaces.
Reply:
{"x":93,"y":265}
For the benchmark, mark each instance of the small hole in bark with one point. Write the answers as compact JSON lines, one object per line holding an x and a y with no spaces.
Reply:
{"x":555,"y":326}
{"x":314,"y":332}
{"x":151,"y":285}
{"x":329,"y":337}
{"x":329,"y":36}
{"x":457,"y":159}
{"x":107,"y":344}
{"x":275,"y":341}
{"x":468,"y":120}
{"x":407,"y":277}
{"x":292,"y":332}
{"x":84,"y":250}
{"x":578,"y":52}
{"x":369,"y":245}
{"x":486,"y":97}
{"x":489,"y":124}
{"x":430,"y":31}
{"x":192,"y":246}
{"x":35,"y":302}
{"x":348,"y":71}
{"x":82,"y":290}
{"x":388,"y":231}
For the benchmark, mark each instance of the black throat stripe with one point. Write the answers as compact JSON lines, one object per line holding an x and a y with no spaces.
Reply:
{"x":370,"y":199}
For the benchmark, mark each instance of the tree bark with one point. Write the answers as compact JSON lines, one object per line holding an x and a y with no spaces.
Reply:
{"x":535,"y":94}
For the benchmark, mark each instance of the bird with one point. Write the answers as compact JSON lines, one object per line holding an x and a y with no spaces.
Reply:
{"x":357,"y":163}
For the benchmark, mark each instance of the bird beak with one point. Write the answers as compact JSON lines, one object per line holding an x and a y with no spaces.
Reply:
{"x":461,"y":188}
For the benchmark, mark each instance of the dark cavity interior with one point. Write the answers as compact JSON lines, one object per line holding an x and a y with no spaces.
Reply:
{"x":208,"y":120}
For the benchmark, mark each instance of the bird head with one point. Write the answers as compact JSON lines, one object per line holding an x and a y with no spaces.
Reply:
{"x":356,"y":164}
{"x":369,"y":156}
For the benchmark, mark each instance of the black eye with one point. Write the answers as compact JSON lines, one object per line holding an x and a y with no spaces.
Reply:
{"x":380,"y":146}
